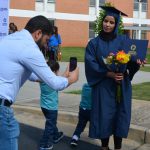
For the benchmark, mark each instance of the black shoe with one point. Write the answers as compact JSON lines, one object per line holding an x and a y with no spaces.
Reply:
{"x":74,"y":143}
{"x":58,"y":137}
{"x":46,"y":147}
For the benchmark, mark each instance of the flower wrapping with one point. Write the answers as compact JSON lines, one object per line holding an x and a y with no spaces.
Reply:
{"x":117,"y":63}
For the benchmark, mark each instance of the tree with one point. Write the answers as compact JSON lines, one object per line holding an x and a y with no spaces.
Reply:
{"x":99,"y":21}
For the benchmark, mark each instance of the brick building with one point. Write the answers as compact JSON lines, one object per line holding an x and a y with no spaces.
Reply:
{"x":75,"y":19}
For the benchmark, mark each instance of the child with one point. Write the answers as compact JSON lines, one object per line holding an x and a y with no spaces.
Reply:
{"x":49,"y":106}
{"x":84,"y":114}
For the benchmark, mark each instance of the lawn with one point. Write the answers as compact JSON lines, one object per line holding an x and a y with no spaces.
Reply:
{"x":79,"y":52}
{"x":68,"y":52}
{"x":139,"y":91}
{"x":148,"y":58}
{"x":145,"y":68}
{"x":74,"y":92}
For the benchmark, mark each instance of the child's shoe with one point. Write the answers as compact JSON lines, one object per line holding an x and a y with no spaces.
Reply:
{"x":74,"y":143}
{"x":58,"y":137}
{"x":46,"y":147}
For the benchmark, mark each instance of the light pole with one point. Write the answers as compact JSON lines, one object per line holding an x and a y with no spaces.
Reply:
{"x":45,"y":5}
{"x":139,"y":13}
{"x":97,"y":7}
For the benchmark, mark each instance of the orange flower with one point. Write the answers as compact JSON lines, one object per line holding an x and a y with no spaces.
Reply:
{"x":122,"y":57}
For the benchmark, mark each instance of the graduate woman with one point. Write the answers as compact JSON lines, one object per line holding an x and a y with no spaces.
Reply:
{"x":108,"y":117}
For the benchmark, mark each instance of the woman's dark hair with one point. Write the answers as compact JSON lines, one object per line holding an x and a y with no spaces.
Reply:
{"x":10,"y":24}
{"x":39,"y":22}
{"x":55,"y":31}
{"x":16,"y":29}
{"x":54,"y":65}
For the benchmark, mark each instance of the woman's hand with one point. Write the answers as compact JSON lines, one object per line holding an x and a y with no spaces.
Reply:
{"x":141,"y":63}
{"x":116,"y":76}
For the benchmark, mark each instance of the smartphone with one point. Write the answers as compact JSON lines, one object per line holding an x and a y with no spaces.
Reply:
{"x":73,"y":63}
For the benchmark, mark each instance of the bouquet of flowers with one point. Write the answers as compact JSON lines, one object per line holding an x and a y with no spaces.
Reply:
{"x":119,"y":60}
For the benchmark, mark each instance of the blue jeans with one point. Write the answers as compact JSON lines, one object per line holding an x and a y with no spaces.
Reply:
{"x":9,"y":129}
{"x":84,"y":117}
{"x":53,"y":53}
{"x":50,"y":126}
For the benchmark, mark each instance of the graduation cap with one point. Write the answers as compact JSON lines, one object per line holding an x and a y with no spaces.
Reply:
{"x":112,"y":11}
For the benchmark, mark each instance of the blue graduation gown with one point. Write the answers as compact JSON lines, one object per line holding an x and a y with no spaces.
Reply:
{"x":107,"y":116}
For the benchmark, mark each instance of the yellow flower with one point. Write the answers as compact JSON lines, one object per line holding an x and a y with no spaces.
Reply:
{"x":122,"y":57}
{"x":109,"y":59}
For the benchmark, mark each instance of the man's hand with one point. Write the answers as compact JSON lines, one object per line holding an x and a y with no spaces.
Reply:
{"x":66,"y":73}
{"x":73,"y":76}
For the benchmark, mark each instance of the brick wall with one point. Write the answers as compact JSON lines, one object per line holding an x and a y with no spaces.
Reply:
{"x":72,"y":6}
{"x":123,"y":5}
{"x":22,"y":4}
{"x":19,"y":22}
{"x":73,"y":33}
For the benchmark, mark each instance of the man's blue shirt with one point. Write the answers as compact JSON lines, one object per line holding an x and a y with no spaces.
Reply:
{"x":19,"y":57}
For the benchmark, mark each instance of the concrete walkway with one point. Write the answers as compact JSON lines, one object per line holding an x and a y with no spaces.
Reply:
{"x":28,"y":111}
{"x":32,"y":127}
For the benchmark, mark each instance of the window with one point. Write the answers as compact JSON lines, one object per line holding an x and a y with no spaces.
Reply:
{"x":144,"y":5}
{"x":91,"y":30}
{"x":101,"y":2}
{"x":92,"y":3}
{"x":143,"y":35}
{"x":136,"y":32}
{"x":50,"y":1}
{"x":136,"y":6}
{"x":39,"y":0}
{"x":144,"y":1}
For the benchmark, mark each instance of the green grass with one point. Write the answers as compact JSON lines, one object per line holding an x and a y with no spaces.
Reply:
{"x":145,"y":68}
{"x":141,"y":91}
{"x":79,"y":52}
{"x":68,"y":52}
{"x":148,"y":58}
{"x":74,"y":92}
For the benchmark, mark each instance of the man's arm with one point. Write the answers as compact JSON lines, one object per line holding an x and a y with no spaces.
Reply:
{"x":35,"y":62}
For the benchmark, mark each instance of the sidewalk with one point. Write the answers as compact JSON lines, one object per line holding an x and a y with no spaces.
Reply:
{"x":31,"y":131}
{"x":139,"y":132}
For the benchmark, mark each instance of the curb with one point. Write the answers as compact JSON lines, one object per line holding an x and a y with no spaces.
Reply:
{"x":137,"y":133}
